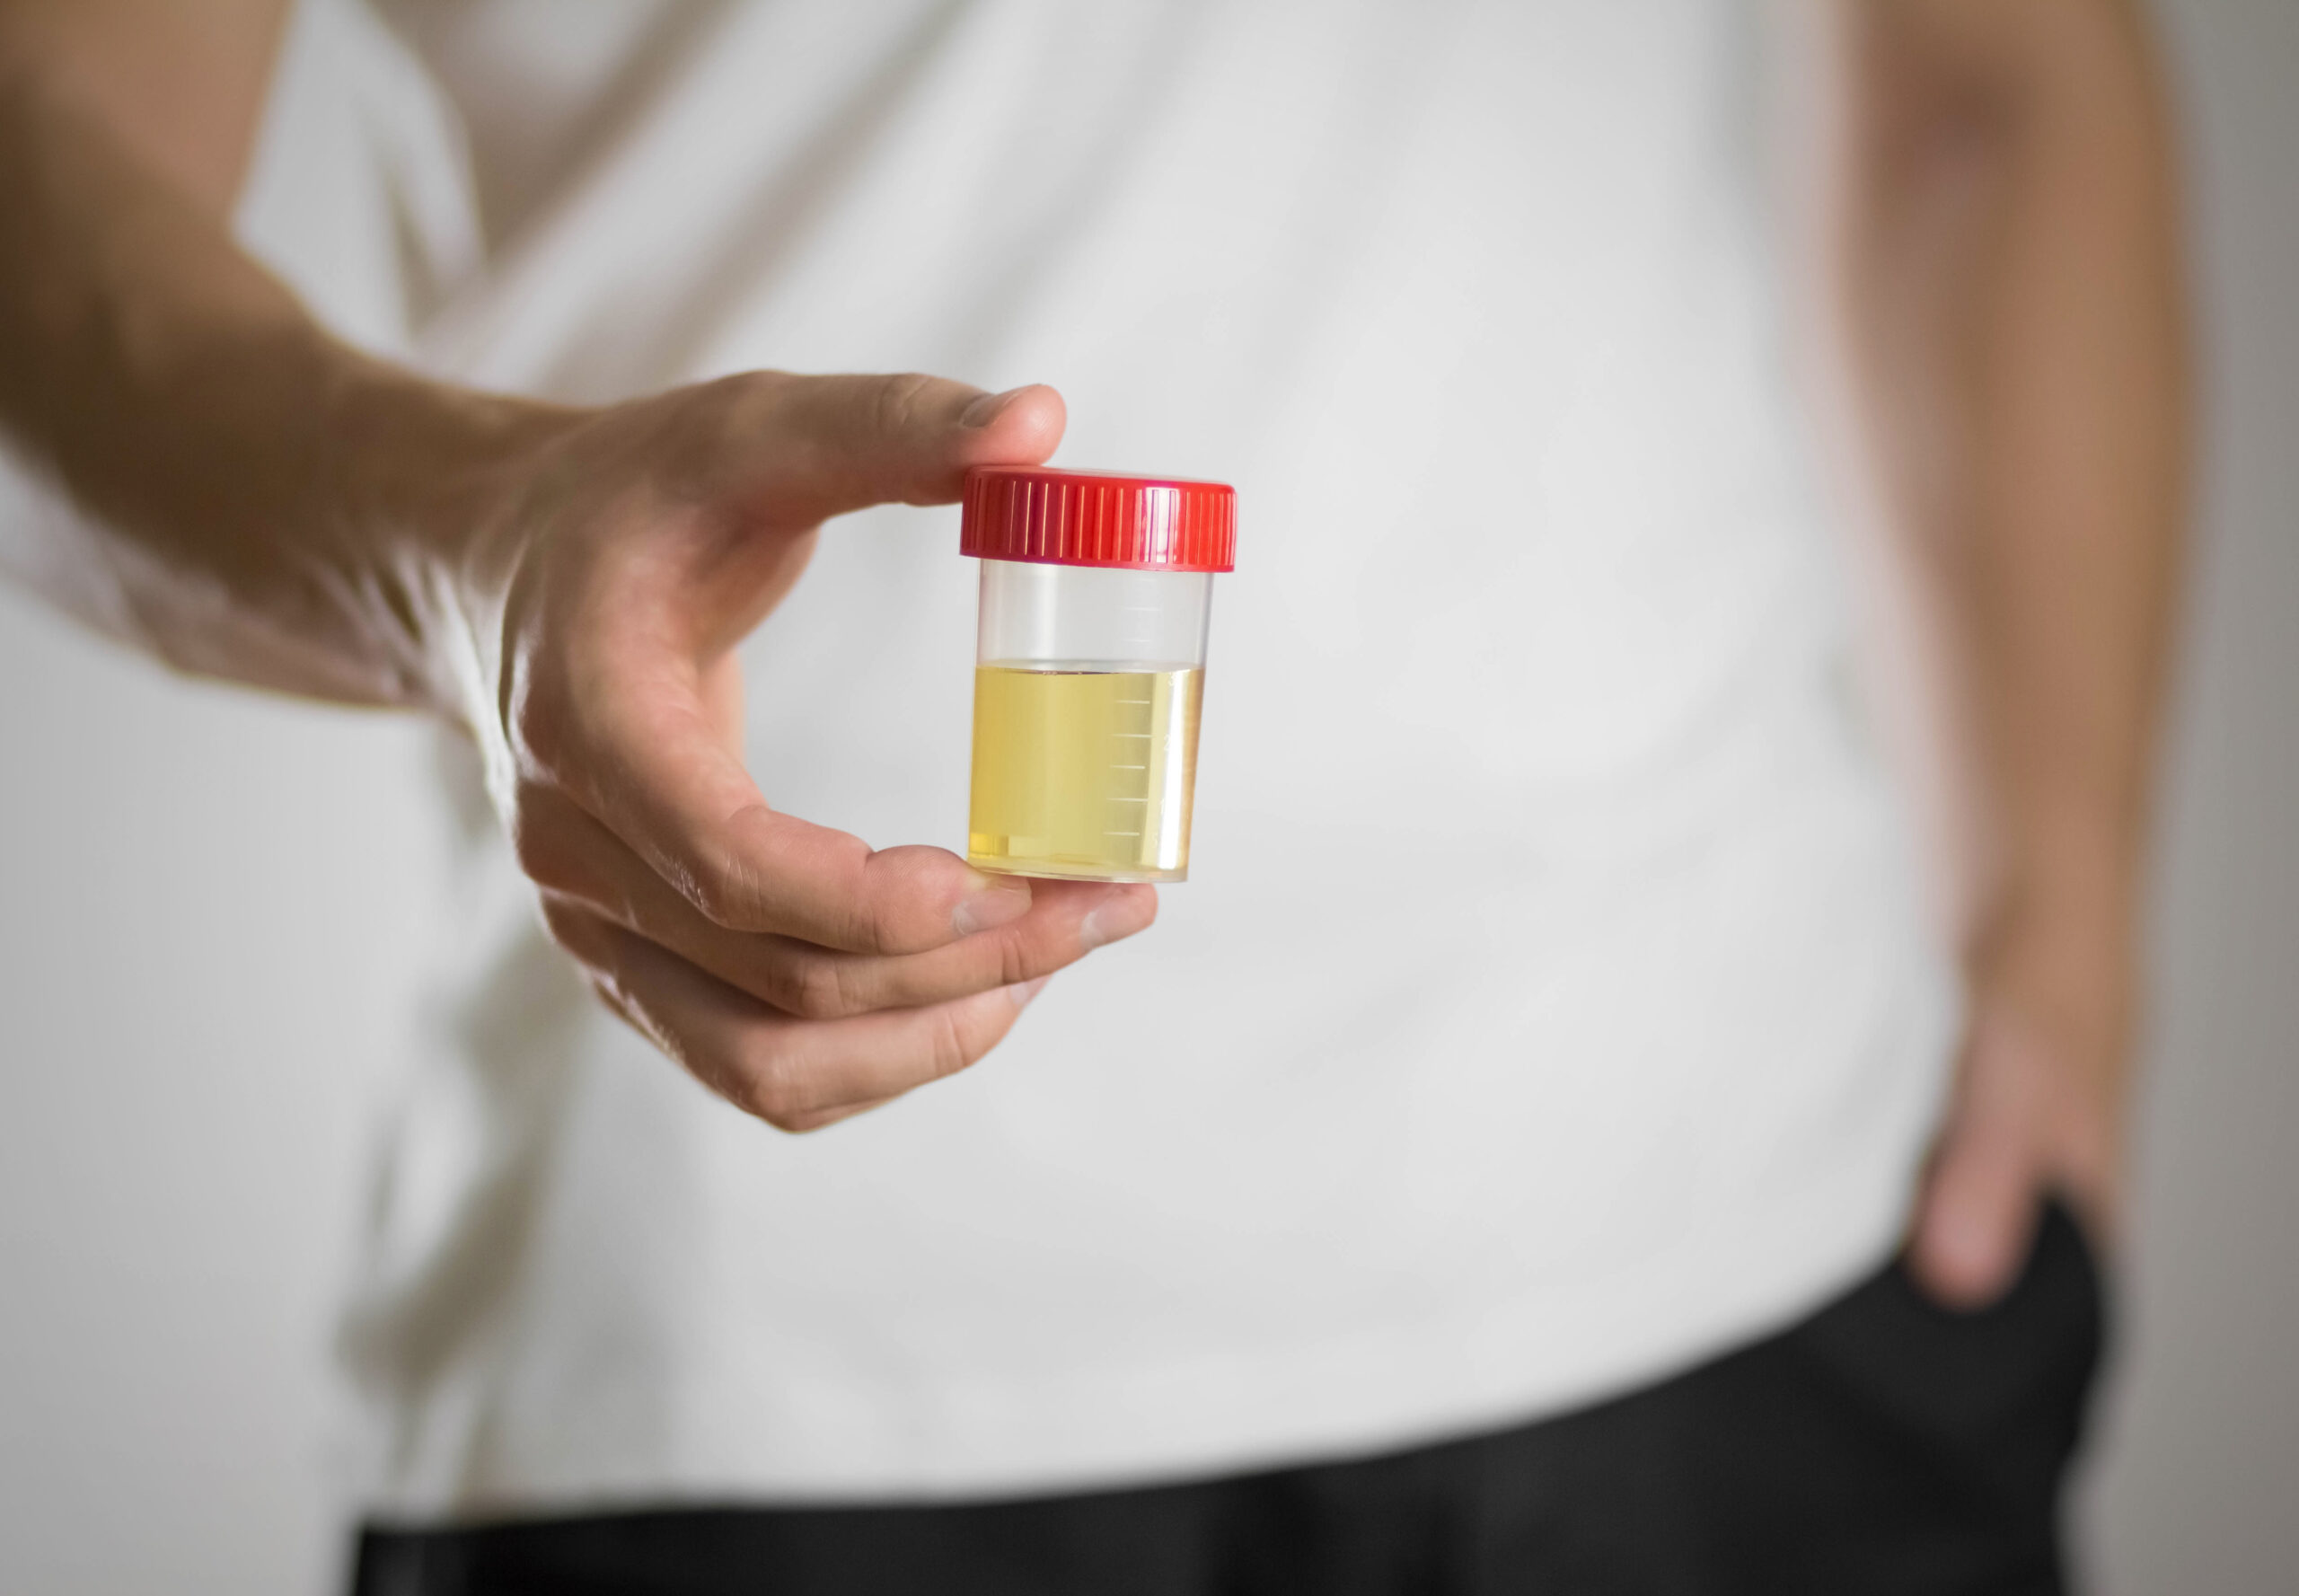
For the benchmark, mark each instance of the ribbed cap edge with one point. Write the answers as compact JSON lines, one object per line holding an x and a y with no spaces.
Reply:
{"x":1077,"y":517}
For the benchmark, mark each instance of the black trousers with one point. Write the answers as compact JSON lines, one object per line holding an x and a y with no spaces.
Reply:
{"x":1885,"y":1445}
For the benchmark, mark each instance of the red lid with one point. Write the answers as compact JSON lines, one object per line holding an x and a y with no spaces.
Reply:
{"x":1081,"y":518}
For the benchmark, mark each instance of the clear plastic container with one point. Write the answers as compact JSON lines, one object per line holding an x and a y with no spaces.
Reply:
{"x":1089,"y":668}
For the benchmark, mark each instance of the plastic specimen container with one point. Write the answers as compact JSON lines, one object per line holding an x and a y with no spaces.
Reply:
{"x":1090,"y":667}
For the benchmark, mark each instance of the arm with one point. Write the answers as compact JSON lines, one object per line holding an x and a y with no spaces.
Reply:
{"x":180,"y":395}
{"x":2014,"y":298}
{"x":263,"y":504}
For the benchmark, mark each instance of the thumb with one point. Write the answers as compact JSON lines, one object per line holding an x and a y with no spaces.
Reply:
{"x":856,"y":441}
{"x":1976,"y":1213}
{"x":1975,"y":1222}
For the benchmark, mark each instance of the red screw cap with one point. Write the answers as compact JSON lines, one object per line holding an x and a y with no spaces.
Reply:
{"x":1081,"y":518}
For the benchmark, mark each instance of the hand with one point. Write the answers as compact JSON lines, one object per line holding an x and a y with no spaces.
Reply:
{"x":2037,"y":1111}
{"x":791,"y":968}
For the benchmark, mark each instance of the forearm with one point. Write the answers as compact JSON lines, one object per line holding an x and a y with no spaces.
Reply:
{"x":260,"y":502}
{"x":2080,"y":480}
{"x":2016,"y":298}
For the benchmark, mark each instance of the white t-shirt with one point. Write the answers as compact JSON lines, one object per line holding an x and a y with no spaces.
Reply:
{"x":1550,"y":1007}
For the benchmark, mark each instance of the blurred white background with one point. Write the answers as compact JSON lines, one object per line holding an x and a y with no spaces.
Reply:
{"x":213,"y":908}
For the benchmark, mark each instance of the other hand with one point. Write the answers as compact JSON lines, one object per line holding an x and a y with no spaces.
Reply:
{"x":2037,"y":1109}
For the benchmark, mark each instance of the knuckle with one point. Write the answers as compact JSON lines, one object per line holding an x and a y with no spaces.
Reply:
{"x":723,"y":891}
{"x":743,"y":395}
{"x":1017,"y":962}
{"x":809,"y":985}
{"x":873,"y":926}
{"x":772,"y":1090}
{"x":724,"y":419}
{"x":830,"y":991}
{"x":563,"y":923}
{"x":539,"y":845}
{"x":949,"y":1047}
{"x":884,"y":906}
{"x":895,"y":402}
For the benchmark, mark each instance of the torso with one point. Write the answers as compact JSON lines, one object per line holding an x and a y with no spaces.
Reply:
{"x":1548,"y":1005}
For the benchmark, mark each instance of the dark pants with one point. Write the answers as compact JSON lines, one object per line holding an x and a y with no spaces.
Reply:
{"x":1884,"y":1445}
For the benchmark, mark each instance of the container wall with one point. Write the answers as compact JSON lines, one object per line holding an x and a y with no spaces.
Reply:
{"x":1093,"y":616}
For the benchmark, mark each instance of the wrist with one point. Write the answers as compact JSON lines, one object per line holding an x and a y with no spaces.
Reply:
{"x":2064,"y":960}
{"x":426,"y":482}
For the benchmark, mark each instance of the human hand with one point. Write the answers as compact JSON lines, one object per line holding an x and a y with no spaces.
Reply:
{"x":792,"y":968}
{"x":2037,"y":1109}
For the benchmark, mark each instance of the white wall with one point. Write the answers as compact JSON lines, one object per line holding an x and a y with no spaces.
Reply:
{"x":212,"y":907}
{"x":2197,"y":1492}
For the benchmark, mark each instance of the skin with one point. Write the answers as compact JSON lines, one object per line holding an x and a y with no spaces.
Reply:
{"x":2010,"y":289}
{"x":267,"y":506}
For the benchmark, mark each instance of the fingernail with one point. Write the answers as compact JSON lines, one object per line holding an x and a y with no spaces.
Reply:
{"x":983,"y":411}
{"x":1022,"y":992}
{"x":992,"y":905}
{"x":1115,"y":917}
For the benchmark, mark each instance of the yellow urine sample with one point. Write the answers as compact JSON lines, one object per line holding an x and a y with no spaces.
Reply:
{"x":1084,"y":773}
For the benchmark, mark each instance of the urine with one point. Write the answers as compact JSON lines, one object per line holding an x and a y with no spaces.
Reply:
{"x":1084,"y":772}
